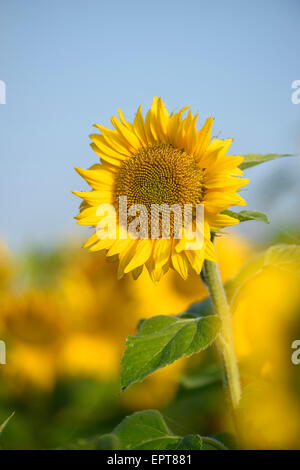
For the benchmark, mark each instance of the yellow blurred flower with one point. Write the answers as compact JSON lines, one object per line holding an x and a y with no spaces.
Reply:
{"x":78,"y":327}
{"x":233,"y":252}
{"x":32,"y":318}
{"x":269,"y":416}
{"x":30,"y":368}
{"x":6,"y":267}
{"x":264,"y":307}
{"x":33,"y":329}
{"x":157,"y":390}
{"x":266,"y":310}
{"x":89,"y":355}
{"x":104,"y":307}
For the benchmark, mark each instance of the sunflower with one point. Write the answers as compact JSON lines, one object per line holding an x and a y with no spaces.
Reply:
{"x":162,"y":159}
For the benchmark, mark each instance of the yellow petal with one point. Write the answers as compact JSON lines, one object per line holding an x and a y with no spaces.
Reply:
{"x":95,"y":197}
{"x":210,"y":251}
{"x":118,"y":246}
{"x":154,"y":273}
{"x":137,"y":272}
{"x":90,"y":241}
{"x":220,"y":221}
{"x":163,"y":117}
{"x":222,"y":145}
{"x":195,"y":259}
{"x":228,"y":182}
{"x":142,"y":253}
{"x":101,"y":245}
{"x":157,"y":121}
{"x":237,"y":172}
{"x":161,"y":252}
{"x":139,"y":127}
{"x":127,"y":134}
{"x":123,"y":120}
{"x":114,"y":140}
{"x":176,"y":129}
{"x":90,"y":220}
{"x":180,"y":264}
{"x":203,"y":138}
{"x":216,"y":201}
{"x":221,"y":164}
{"x":87,"y":211}
{"x":125,"y":258}
{"x":191,"y":136}
{"x":151,"y":136}
{"x":100,"y":142}
{"x":96,"y":178}
{"x":105,"y":158}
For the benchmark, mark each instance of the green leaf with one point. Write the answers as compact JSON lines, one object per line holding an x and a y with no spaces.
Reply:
{"x":243,"y":216}
{"x":162,"y":340}
{"x":190,"y":442}
{"x":140,"y":431}
{"x":4,"y":424}
{"x":198,"y":309}
{"x":253,"y":159}
{"x":147,"y":430}
{"x":210,"y":375}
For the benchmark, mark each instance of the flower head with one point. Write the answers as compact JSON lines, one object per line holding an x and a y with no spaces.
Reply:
{"x":155,"y":163}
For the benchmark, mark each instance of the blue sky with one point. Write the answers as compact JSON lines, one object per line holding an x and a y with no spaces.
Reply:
{"x":69,"y":64}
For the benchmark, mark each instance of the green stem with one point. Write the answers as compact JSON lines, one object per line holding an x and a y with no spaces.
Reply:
{"x":214,"y":284}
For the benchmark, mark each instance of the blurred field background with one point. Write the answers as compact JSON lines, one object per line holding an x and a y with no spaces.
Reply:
{"x":63,"y":315}
{"x":65,"y":318}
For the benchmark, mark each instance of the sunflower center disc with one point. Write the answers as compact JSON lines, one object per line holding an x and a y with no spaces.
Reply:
{"x":160,"y":174}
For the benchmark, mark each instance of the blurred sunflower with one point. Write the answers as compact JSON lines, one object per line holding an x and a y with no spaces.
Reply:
{"x":6,"y":268}
{"x":33,"y":328}
{"x":60,"y":332}
{"x":266,"y":315}
{"x":95,"y":339}
{"x":264,"y":306}
{"x":160,"y":160}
